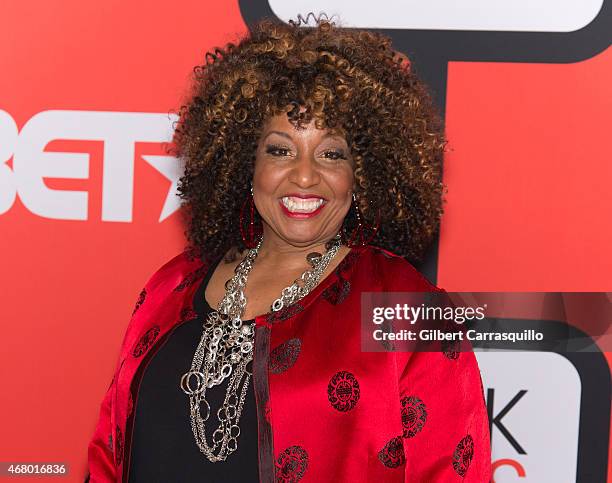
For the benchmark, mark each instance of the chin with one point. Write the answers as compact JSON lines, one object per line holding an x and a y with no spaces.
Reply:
{"x":299,"y":236}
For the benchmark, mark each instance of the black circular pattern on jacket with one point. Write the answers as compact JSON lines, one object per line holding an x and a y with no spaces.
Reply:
{"x":414,"y":415}
{"x":291,"y":465}
{"x":337,"y":292}
{"x":392,"y":455}
{"x":141,"y":299}
{"x":118,"y":445}
{"x":347,"y":263}
{"x":343,"y":391}
{"x":191,"y":278}
{"x":285,"y":313}
{"x":450,"y":348}
{"x":462,"y":457}
{"x":145,"y":341}
{"x":285,"y":355}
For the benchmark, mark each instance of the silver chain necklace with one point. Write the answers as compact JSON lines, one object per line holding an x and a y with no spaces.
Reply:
{"x":226,"y":348}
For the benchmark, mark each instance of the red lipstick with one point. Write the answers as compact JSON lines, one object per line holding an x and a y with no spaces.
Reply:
{"x":299,"y":215}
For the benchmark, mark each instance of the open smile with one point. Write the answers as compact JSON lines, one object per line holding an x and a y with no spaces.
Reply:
{"x":301,"y":207}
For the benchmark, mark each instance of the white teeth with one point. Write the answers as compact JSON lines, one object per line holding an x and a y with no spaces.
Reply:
{"x":301,"y":205}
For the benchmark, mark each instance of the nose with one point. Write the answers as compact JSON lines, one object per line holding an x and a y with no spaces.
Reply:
{"x":305,"y":172}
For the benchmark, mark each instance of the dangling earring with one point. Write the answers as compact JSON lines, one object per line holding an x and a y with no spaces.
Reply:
{"x":251,"y":232}
{"x":363,"y":233}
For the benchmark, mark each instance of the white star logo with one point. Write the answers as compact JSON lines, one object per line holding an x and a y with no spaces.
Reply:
{"x":172,"y":168}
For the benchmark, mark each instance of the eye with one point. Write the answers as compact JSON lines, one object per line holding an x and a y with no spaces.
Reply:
{"x":277,"y":150}
{"x":334,"y":154}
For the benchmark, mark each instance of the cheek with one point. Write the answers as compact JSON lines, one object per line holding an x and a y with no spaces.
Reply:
{"x":266,"y":178}
{"x":342,"y":182}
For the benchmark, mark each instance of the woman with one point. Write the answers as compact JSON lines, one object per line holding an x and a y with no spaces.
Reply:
{"x":312,"y":174}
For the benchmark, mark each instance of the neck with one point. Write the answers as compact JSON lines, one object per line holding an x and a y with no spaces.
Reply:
{"x":279,"y":252}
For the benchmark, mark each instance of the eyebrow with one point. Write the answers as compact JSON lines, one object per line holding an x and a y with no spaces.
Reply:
{"x":288,"y":136}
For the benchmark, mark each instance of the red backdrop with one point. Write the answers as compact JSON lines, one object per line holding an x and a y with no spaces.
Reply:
{"x":528,"y":204}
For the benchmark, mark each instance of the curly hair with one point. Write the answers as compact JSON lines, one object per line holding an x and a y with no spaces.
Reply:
{"x":349,"y":81}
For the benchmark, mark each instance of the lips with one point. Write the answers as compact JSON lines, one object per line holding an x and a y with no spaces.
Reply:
{"x":302,"y":206}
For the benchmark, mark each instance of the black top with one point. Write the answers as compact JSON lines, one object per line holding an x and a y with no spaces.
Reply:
{"x":163,"y":446}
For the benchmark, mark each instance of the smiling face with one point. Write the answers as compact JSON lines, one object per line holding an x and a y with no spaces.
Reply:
{"x":302,"y":183}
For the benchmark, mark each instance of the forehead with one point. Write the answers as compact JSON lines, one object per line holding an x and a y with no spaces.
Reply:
{"x":280,"y":123}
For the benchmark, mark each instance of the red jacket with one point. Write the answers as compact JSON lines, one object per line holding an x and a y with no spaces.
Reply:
{"x":327,"y":412}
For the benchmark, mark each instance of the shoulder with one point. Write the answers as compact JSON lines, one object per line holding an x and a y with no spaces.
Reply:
{"x":397,"y":273}
{"x":175,"y":274}
{"x":176,"y":271}
{"x":165,"y":286}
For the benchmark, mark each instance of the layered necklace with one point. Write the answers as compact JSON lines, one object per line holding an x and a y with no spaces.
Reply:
{"x":226,"y":349}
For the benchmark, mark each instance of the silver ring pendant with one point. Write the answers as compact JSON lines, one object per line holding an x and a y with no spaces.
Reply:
{"x":207,"y":407}
{"x":185,"y":382}
{"x":226,"y":371}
